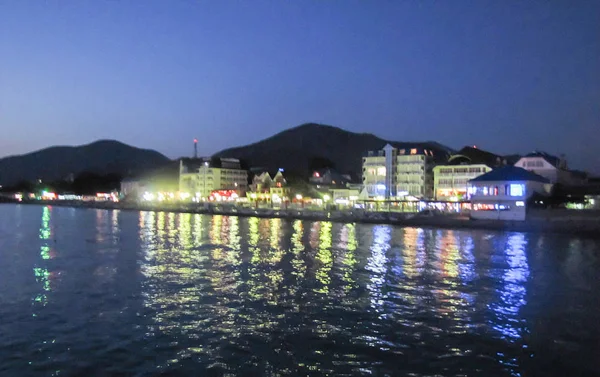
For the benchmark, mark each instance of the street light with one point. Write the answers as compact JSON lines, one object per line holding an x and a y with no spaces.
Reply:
{"x":298,"y":197}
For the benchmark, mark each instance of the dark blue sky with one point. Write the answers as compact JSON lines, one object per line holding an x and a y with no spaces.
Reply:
{"x":509,"y":76}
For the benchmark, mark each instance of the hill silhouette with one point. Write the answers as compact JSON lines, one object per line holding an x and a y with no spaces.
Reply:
{"x":297,"y":149}
{"x":59,"y":162}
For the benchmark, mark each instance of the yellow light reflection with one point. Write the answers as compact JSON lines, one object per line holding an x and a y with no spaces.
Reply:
{"x":449,"y":256}
{"x":274,"y":241}
{"x":185,"y":230}
{"x":215,"y":230}
{"x":324,"y":257}
{"x":171,"y":228}
{"x":233,"y":255}
{"x":413,"y":252}
{"x":349,"y":260}
{"x":198,"y":231}
{"x":298,"y":265}
{"x":253,"y":238}
{"x":160,"y":229}
{"x":450,"y":301}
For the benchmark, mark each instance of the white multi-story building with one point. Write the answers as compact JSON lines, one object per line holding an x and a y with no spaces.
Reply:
{"x":200,"y":177}
{"x":450,"y":180}
{"x":550,"y":167}
{"x":398,"y":173}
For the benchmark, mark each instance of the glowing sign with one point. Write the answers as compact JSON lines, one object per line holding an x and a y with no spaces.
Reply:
{"x":517,"y":190}
{"x":48,"y":195}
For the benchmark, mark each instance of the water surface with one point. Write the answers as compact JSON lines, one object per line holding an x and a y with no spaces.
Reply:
{"x":98,"y":293}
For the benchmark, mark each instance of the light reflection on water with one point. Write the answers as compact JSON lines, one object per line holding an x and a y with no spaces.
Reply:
{"x":189,"y":292}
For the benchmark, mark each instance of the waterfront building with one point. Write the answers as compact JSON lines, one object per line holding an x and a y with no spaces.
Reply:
{"x":503,"y":193}
{"x":450,"y":179}
{"x":201,"y":176}
{"x":398,"y":173}
{"x":263,"y":181}
{"x":269,"y":186}
{"x":345,"y":196}
{"x":553,"y":168}
{"x":164,"y":179}
{"x":131,"y":187}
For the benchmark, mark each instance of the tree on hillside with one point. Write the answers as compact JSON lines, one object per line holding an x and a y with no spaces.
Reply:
{"x":22,"y":186}
{"x":319,"y":163}
{"x":89,"y":183}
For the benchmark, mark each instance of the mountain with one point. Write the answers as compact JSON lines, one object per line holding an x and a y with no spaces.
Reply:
{"x":296,"y":149}
{"x":56,"y":163}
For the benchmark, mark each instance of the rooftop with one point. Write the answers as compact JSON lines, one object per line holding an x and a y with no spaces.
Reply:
{"x":511,"y":174}
{"x":474,"y":155}
{"x":555,"y":161}
{"x":193,"y":164}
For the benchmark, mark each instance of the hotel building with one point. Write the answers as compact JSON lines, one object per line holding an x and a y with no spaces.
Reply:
{"x":201,"y":176}
{"x":398,"y":173}
{"x":451,"y":179}
{"x":552,"y":168}
{"x":267,"y":187}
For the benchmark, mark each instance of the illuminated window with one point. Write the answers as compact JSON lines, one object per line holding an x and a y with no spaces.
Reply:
{"x":517,"y":190}
{"x":380,"y":171}
{"x":413,"y":151}
{"x":485,"y":191}
{"x":402,"y":151}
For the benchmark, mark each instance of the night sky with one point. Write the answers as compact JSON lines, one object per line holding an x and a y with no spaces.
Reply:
{"x":508,"y":76}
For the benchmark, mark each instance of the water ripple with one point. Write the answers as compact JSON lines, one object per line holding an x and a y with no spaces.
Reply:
{"x":89,"y":292}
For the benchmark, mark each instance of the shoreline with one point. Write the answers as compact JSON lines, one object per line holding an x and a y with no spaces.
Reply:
{"x":543,"y":223}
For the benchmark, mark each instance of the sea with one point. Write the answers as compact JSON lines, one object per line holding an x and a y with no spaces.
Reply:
{"x":86,"y":292}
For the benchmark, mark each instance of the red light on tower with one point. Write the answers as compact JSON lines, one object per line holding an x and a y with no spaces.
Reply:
{"x":195,"y":140}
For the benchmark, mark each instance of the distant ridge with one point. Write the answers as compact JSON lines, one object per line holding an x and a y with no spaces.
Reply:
{"x":58,"y":162}
{"x":295,"y":148}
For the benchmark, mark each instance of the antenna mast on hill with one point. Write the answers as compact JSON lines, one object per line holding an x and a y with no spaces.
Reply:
{"x":195,"y":148}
